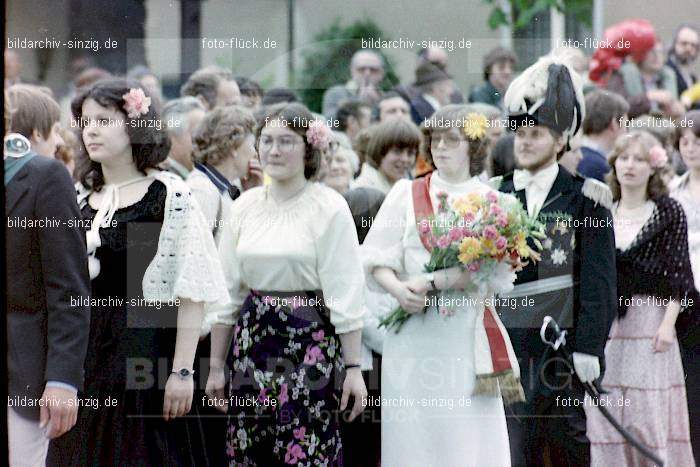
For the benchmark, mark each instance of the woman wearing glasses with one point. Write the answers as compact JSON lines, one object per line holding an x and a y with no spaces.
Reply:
{"x":428,"y":366}
{"x":291,"y":263}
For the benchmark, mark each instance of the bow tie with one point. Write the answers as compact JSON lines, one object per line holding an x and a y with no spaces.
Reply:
{"x":523,"y":179}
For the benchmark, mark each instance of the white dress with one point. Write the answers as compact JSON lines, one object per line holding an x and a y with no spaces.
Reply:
{"x":429,"y":415}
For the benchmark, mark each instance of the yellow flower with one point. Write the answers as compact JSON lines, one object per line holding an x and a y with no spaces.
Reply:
{"x":475,"y":125}
{"x":475,"y":199}
{"x":464,"y":207}
{"x":488,"y":246}
{"x":521,"y":245}
{"x":469,"y":250}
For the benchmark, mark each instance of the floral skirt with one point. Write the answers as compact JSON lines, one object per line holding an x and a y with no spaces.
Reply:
{"x":285,"y":383}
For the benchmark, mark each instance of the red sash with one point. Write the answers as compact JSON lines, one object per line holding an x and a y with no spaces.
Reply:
{"x":423,"y":210}
{"x":422,"y":206}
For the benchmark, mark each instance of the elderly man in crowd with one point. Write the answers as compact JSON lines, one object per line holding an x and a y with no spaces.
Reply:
{"x":367,"y":71}
{"x":181,"y":117}
{"x":682,"y":56}
{"x":213,"y":86}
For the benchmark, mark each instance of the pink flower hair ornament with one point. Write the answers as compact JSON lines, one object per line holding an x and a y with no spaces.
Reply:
{"x":319,"y":135}
{"x":657,"y":157}
{"x":136,"y":103}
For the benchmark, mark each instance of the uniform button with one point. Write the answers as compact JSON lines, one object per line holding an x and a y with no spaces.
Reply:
{"x":27,"y":387}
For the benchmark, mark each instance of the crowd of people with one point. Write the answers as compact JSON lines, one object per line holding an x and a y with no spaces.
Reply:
{"x":212,"y":290}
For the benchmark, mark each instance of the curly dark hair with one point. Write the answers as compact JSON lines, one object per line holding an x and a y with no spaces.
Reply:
{"x":456,"y":115}
{"x":149,"y":145}
{"x":297,"y":118}
{"x":656,"y":187}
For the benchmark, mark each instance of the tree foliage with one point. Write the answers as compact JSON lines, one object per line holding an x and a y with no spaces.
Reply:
{"x":523,"y":11}
{"x":326,"y":62}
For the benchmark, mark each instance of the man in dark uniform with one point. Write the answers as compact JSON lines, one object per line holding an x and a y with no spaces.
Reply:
{"x":574,"y":281}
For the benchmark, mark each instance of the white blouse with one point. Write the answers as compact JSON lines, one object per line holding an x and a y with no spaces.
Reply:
{"x":212,"y":202}
{"x":308,"y":242}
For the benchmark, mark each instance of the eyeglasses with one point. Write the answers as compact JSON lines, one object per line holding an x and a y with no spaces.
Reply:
{"x":285,"y":144}
{"x":450,"y":140}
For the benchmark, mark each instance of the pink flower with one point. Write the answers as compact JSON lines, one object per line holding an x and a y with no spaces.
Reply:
{"x":657,"y":157}
{"x":313,"y":354}
{"x":299,"y":433}
{"x":491,"y":197}
{"x":495,"y":210}
{"x":490,"y":232}
{"x":136,"y":103}
{"x":297,"y":302}
{"x":501,"y":243}
{"x":262,"y":396}
{"x":466,"y":232}
{"x":318,"y":335}
{"x":230,"y":450}
{"x":469,"y":217}
{"x":424,"y":227}
{"x":474,"y":267}
{"x":294,"y":453}
{"x":283,"y":398}
{"x":443,"y":241}
{"x":502,"y":220}
{"x":319,"y":135}
{"x":455,"y":234}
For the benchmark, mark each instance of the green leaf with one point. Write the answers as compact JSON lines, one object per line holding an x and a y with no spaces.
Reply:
{"x":497,"y":18}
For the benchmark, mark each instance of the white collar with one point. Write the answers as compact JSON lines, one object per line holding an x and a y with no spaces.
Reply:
{"x":543,"y":178}
{"x":432,"y":101}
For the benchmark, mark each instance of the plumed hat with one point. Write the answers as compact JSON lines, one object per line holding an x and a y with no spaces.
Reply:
{"x":548,"y":93}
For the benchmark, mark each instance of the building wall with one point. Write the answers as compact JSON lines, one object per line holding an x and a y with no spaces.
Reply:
{"x":415,"y":20}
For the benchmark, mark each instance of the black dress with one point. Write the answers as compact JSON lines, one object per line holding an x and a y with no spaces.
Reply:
{"x":129,"y":357}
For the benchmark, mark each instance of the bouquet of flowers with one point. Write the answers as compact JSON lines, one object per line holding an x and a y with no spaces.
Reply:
{"x":480,"y":233}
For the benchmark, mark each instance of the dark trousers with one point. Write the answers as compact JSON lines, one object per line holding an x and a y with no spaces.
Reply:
{"x":688,"y":327}
{"x":548,"y":431}
{"x":362,"y":443}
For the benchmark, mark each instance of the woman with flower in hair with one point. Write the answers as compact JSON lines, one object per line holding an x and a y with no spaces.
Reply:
{"x":644,"y":375}
{"x":291,"y":263}
{"x":433,"y":413}
{"x":153,"y":265}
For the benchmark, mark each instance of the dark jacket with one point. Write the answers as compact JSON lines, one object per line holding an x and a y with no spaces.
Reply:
{"x":421,"y":110}
{"x":581,"y":242}
{"x":594,"y":164}
{"x":487,"y":94}
{"x":47,"y":329}
{"x":681,"y":83}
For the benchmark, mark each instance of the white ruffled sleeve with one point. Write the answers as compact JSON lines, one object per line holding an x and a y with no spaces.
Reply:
{"x":340,"y":269}
{"x":186,"y":264}
{"x":383,"y":245}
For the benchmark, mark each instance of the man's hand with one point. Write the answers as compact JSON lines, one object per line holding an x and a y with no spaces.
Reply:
{"x":587,"y":367}
{"x":58,"y":411}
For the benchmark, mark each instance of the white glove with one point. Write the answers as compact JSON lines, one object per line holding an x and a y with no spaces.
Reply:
{"x":587,"y":367}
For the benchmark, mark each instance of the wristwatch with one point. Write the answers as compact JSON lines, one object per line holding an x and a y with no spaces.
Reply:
{"x":183,"y":373}
{"x":430,"y":277}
